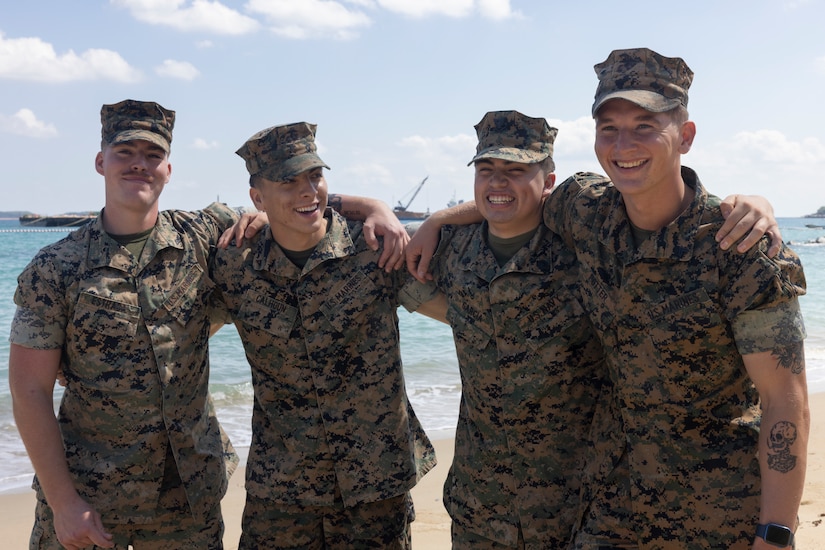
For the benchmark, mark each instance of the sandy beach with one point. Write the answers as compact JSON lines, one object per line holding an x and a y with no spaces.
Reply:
{"x":431,"y":530}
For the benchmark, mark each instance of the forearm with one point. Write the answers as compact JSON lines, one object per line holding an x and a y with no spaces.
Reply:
{"x":355,"y":208}
{"x":460,"y":214}
{"x":41,"y":436}
{"x":779,"y":377}
{"x":33,"y":408}
{"x":435,"y":308}
{"x":783,"y":451}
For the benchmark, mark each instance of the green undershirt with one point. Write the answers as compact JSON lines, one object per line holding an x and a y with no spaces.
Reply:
{"x":504,"y":249}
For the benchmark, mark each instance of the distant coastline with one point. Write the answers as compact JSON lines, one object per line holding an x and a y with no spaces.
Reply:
{"x":13,"y":214}
{"x":67,"y":219}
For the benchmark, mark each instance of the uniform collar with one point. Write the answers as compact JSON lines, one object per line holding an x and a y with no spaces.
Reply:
{"x":479,"y":259}
{"x":336,"y":243}
{"x":104,"y":251}
{"x":674,"y":241}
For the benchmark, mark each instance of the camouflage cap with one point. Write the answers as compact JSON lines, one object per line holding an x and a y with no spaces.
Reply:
{"x":130,"y":120}
{"x":651,"y":81}
{"x":281,"y":152}
{"x":510,"y":135}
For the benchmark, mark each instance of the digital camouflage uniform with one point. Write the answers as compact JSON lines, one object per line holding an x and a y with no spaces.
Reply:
{"x":531,"y":367}
{"x":134,"y":335}
{"x":336,"y":445}
{"x":531,"y":371}
{"x":675,"y":315}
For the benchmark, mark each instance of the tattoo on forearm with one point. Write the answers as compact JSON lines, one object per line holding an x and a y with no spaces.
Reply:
{"x":780,"y":440}
{"x":791,"y":356}
{"x":335,"y":202}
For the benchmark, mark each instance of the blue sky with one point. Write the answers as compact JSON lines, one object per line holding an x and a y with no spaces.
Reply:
{"x":395,"y":87}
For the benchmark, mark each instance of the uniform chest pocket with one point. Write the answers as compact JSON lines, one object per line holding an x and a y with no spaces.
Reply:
{"x":265,"y":313}
{"x":347,"y":302}
{"x":96,"y":318}
{"x":468,"y":329}
{"x":683,"y":331}
{"x":189,"y":294}
{"x":689,"y":320}
{"x":558,"y":319}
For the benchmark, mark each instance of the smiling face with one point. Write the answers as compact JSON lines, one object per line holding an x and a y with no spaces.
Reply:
{"x":641,"y":151}
{"x":295,"y":208}
{"x":509,"y":195}
{"x":135,"y":173}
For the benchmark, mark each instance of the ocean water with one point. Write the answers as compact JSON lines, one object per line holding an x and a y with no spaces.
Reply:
{"x":427,"y":349}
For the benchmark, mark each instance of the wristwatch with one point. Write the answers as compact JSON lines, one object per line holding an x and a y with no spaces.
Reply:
{"x":775,"y":534}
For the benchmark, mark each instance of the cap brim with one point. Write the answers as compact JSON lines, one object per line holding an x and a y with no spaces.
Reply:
{"x":145,"y":135}
{"x":510,"y":153}
{"x":647,"y":100}
{"x":292,"y":167}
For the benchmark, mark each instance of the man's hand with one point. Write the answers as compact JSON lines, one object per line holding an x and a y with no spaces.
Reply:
{"x":748,"y":217}
{"x":78,"y":525}
{"x":425,"y":241}
{"x":421,"y":248}
{"x":382,"y":222}
{"x":247,"y":226}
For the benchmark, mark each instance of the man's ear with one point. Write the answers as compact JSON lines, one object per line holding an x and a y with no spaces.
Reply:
{"x":99,"y":163}
{"x":688,"y":134}
{"x":257,"y":199}
{"x":549,"y":182}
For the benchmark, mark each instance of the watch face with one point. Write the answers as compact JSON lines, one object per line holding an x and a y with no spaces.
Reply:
{"x":778,"y":534}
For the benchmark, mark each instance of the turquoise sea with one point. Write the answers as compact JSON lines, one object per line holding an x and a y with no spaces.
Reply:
{"x":426,"y":346}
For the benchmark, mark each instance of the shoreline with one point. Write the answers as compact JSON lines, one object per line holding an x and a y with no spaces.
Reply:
{"x":431,"y":529}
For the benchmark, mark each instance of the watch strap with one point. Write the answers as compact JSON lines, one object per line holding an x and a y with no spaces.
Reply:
{"x":775,"y":534}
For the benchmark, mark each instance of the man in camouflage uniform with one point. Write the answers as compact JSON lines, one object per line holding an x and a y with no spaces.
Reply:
{"x":606,"y":433}
{"x":123,"y":305}
{"x":531,"y":366}
{"x":705,"y":347}
{"x":336,"y":445}
{"x":137,"y":454}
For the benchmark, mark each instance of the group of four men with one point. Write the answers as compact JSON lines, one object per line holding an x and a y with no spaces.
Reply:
{"x":626,"y":382}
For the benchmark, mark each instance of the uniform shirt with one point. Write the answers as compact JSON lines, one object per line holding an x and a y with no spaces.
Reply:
{"x":531,"y":371}
{"x":134,"y":335}
{"x":330,"y":419}
{"x":676,"y":314}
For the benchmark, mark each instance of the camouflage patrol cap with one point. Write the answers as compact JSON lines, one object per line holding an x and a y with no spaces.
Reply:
{"x":281,"y":152}
{"x":651,"y":81}
{"x":510,"y":135}
{"x":130,"y":120}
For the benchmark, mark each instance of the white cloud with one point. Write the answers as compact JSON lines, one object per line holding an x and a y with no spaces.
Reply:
{"x":25,"y":123}
{"x":181,"y":70}
{"x":34,"y":60}
{"x":449,"y":149}
{"x":310,"y":18}
{"x":362,"y":3}
{"x":497,"y":9}
{"x":765,"y":162}
{"x":575,"y":137}
{"x":491,"y":9}
{"x":774,"y":147}
{"x":424,"y":8}
{"x":203,"y":44}
{"x":200,"y":15}
{"x":204,"y":145}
